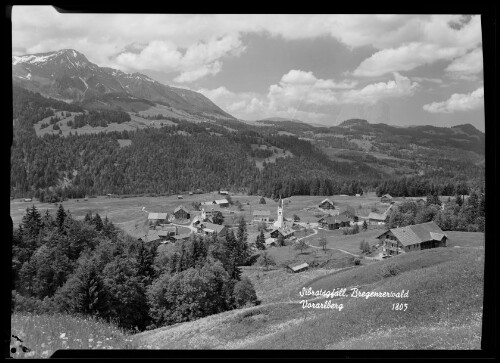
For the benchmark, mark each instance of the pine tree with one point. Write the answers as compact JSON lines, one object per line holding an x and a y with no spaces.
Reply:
{"x":218,"y":218}
{"x":88,"y":217}
{"x":365,"y":225}
{"x":242,"y":245}
{"x":32,"y":221}
{"x":260,"y":242}
{"x":60,"y":217}
{"x":97,"y":221}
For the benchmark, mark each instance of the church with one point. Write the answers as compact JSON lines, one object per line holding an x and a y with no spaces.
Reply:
{"x":280,"y":226}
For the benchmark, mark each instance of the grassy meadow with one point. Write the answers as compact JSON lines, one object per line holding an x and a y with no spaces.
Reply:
{"x":44,"y":334}
{"x":128,"y":214}
{"x":445,"y":301}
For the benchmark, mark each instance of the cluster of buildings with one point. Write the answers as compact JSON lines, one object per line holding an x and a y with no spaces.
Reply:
{"x":162,"y":230}
{"x":393,"y":241}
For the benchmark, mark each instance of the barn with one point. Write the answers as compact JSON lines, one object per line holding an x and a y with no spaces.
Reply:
{"x":412,"y":238}
{"x":156,"y":218}
{"x":335,"y":222}
{"x":222,"y":202}
{"x":386,"y":198}
{"x":181,"y":213}
{"x":298,"y":268}
{"x":326,"y":204}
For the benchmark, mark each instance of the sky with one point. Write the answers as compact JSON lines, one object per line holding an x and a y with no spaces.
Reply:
{"x":318,"y":68}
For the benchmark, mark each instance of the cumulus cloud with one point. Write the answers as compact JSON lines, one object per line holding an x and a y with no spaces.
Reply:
{"x":302,"y":88}
{"x":401,"y":86}
{"x":437,"y":41}
{"x":301,"y":93}
{"x":458,"y":102}
{"x":198,"y":61}
{"x":467,"y":65}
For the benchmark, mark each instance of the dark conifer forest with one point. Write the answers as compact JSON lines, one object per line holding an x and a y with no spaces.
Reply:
{"x":204,"y":156}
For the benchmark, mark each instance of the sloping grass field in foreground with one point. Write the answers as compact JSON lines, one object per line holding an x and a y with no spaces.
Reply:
{"x":44,"y":334}
{"x":444,"y":311}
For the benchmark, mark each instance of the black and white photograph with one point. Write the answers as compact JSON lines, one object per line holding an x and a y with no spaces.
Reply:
{"x":231,"y":182}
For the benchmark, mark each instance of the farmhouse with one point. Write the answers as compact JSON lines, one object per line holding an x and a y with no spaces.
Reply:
{"x":261,"y":216}
{"x":224,"y":192}
{"x":167,"y":232}
{"x":412,"y":238}
{"x":209,"y":228}
{"x":326,"y":204}
{"x":28,"y":199}
{"x":222,"y":202}
{"x":181,"y":213}
{"x":285,"y":232}
{"x":386,"y":198}
{"x":208,"y":210}
{"x":298,"y":268}
{"x":151,"y":236}
{"x":348,"y":212}
{"x":180,"y":197}
{"x":335,"y":222}
{"x":157,"y":218}
{"x":376,"y":218}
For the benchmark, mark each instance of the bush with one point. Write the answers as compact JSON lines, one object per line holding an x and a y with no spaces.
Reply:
{"x":391,"y":269}
{"x":244,"y":293}
{"x":357,"y":261}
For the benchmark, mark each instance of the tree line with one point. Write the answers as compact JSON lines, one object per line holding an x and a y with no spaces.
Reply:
{"x":457,"y":214}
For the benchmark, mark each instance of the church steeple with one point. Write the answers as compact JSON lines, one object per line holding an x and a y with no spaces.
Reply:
{"x":279,"y":221}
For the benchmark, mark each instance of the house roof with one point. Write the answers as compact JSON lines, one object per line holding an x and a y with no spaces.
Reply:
{"x":326,"y":200}
{"x":222,"y":201}
{"x":157,"y":215}
{"x":417,"y":233}
{"x":213,"y":227}
{"x":179,"y":208}
{"x":377,"y":216}
{"x":151,"y":236}
{"x":261,"y":213}
{"x":211,"y":207}
{"x":299,"y":267}
{"x":270,"y":240}
{"x":335,"y":219}
{"x":283,"y":232}
{"x":387,"y":196}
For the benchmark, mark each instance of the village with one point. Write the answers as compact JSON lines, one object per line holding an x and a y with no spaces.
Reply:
{"x":282,"y":226}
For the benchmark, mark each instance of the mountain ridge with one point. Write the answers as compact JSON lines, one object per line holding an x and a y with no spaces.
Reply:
{"x":68,"y":75}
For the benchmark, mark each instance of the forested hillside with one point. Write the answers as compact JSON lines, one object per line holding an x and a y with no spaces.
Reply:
{"x":217,"y":154}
